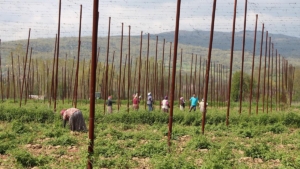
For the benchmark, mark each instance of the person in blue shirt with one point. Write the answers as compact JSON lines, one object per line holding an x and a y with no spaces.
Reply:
{"x":194,"y":101}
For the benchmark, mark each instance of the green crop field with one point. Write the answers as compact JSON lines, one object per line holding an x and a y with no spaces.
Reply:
{"x":33,"y":137}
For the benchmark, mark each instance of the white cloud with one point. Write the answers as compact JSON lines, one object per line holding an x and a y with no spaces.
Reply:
{"x":153,"y":16}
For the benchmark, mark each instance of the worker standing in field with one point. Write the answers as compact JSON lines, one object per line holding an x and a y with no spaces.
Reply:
{"x":109,"y":103}
{"x":135,"y":102}
{"x":194,"y":101}
{"x":75,"y":118}
{"x":165,"y":104}
{"x":150,"y":102}
{"x":201,"y":105}
{"x":182,"y":103}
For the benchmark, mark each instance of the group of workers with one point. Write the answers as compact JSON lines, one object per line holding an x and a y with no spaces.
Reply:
{"x":164,"y":103}
{"x":76,"y":120}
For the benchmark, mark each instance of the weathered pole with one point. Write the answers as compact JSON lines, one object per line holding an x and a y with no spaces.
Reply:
{"x":27,"y":79}
{"x":37,"y":78}
{"x":134,"y":77}
{"x":13,"y":76}
{"x":292,"y":85}
{"x":147,"y":64}
{"x":252,"y":70}
{"x":264,"y":88}
{"x":190,"y":83}
{"x":230,"y":67}
{"x":24,"y":72}
{"x":120,"y":71}
{"x":286,"y":74}
{"x":65,"y":79}
{"x":272,"y":78}
{"x":195,"y":73}
{"x":123,"y":83}
{"x":279,"y":96}
{"x":179,"y":93}
{"x":276,"y":84}
{"x":140,"y":64}
{"x":162,"y":71}
{"x":214,"y":103}
{"x":200,"y":77}
{"x":169,"y":66}
{"x":112,"y":74}
{"x":71,"y":79}
{"x":208,"y":62}
{"x":8,"y":85}
{"x":155,"y":70}
{"x":53,"y":72}
{"x":106,"y":67}
{"x":19,"y":74}
{"x":46,"y":80}
{"x":1,"y":75}
{"x":186,"y":86}
{"x":77,"y":67}
{"x":173,"y":73}
{"x":82,"y":80}
{"x":57,"y":56}
{"x":268,"y":83}
{"x":260,"y":56}
{"x":242,"y":66}
{"x":220,"y":84}
{"x":212,"y":82}
{"x":129,"y":66}
{"x":217,"y":84}
{"x":93,"y":82}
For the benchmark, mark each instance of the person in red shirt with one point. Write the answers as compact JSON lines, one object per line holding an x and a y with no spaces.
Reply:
{"x":75,"y":118}
{"x":135,"y":102}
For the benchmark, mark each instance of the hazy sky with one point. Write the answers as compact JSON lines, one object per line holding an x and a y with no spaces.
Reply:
{"x":149,"y":16}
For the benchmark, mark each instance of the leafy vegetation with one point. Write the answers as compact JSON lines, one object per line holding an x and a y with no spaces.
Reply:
{"x":139,"y":139}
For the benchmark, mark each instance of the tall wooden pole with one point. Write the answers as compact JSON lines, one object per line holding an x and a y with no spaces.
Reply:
{"x":260,"y":56}
{"x":120,"y":71}
{"x":77,"y":67}
{"x":24,"y":72}
{"x":264,"y":88}
{"x":208,"y":62}
{"x":252,"y":70}
{"x":57,"y":56}
{"x":147,"y":65}
{"x":231,"y":59}
{"x":106,"y":70}
{"x":129,"y":67}
{"x":174,"y":73}
{"x":268,"y":81}
{"x":162,"y":71}
{"x":242,"y":67}
{"x":93,"y":82}
{"x":1,"y":75}
{"x":13,"y":76}
{"x":140,"y":64}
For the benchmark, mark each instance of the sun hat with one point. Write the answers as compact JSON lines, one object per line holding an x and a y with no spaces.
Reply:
{"x":62,"y":112}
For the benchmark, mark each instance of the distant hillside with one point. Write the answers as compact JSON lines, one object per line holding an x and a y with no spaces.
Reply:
{"x":287,"y":46}
{"x":191,"y":42}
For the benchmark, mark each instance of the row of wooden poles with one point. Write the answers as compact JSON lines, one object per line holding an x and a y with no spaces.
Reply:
{"x":143,"y":76}
{"x":147,"y":75}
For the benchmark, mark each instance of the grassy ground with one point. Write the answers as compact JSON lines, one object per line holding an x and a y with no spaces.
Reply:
{"x":33,"y":137}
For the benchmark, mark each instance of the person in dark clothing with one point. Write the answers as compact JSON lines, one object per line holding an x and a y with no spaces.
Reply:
{"x":109,"y":103}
